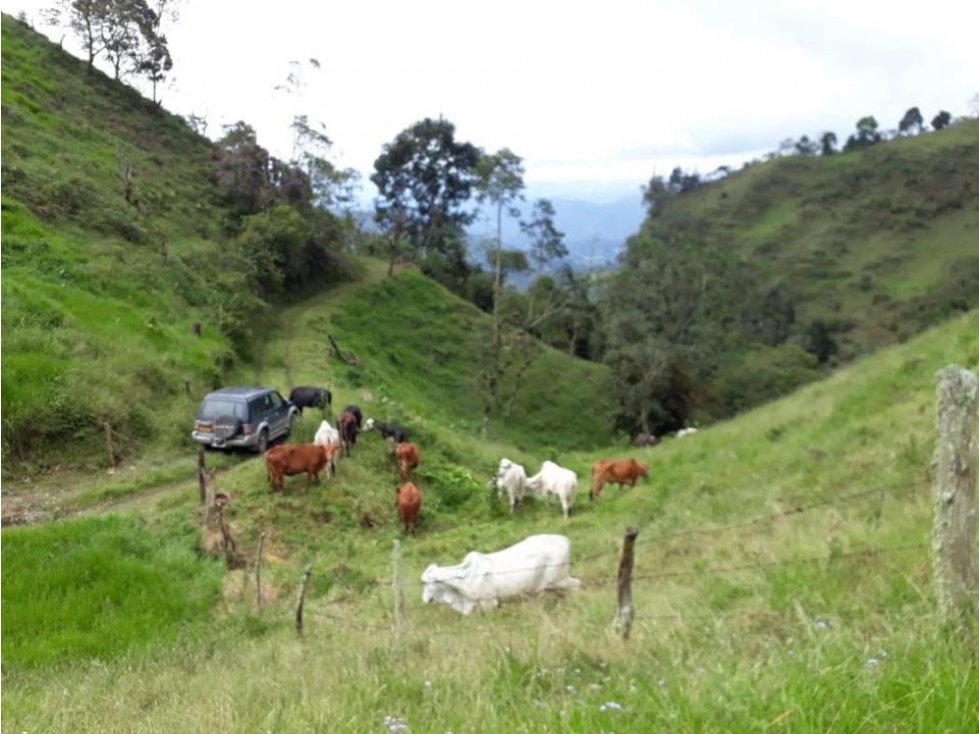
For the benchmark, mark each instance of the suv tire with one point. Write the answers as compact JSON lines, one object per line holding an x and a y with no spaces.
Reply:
{"x":263,"y":442}
{"x":226,"y":426}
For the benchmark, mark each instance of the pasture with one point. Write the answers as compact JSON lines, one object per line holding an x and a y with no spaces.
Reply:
{"x":782,"y":582}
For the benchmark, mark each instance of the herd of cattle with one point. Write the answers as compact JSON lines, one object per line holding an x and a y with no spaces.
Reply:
{"x":537,"y":563}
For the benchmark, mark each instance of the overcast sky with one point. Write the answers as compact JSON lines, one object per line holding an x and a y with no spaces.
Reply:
{"x":595,"y":96}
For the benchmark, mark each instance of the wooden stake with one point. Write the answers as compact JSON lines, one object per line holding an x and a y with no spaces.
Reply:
{"x":302,"y":599}
{"x":624,"y":613}
{"x":954,"y":528}
{"x":108,"y":446}
{"x":258,"y":572}
{"x":397,"y":583}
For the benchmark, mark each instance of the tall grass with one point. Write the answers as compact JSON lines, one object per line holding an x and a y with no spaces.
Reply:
{"x":100,"y":588}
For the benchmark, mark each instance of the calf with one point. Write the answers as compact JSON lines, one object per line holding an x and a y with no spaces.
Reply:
{"x":286,"y":461}
{"x":408,"y":456}
{"x":310,"y":397}
{"x":511,"y":478}
{"x":348,"y":428}
{"x":408,"y":499}
{"x":355,"y":411}
{"x":611,"y":471}
{"x":388,"y":430}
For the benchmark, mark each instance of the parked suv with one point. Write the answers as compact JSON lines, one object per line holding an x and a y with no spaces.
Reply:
{"x":243,"y":417}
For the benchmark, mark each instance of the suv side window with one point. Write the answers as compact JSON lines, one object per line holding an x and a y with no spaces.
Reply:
{"x":257,"y":409}
{"x":275,"y":400}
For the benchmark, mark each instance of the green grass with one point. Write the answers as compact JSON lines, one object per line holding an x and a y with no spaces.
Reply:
{"x":99,"y":588}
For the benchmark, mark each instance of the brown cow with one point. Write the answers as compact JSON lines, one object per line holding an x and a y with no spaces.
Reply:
{"x":349,"y":427}
{"x":409,"y":502}
{"x":408,"y":457}
{"x":286,"y":461}
{"x":612,"y":471}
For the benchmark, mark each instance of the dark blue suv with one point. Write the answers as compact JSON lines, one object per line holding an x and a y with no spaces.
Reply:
{"x":243,"y":417}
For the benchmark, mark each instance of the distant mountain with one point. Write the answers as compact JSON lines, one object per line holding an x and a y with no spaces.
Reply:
{"x":594,"y":233}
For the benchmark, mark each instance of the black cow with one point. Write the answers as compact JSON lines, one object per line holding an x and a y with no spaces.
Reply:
{"x":311,"y":397}
{"x":356,"y":413}
{"x":398,"y":431}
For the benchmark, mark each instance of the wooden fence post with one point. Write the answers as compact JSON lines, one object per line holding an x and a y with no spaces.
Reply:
{"x":201,"y":474}
{"x":302,"y":599}
{"x":954,"y":529}
{"x":398,"y":584}
{"x":624,"y":613}
{"x":258,"y":572}
{"x":108,"y":447}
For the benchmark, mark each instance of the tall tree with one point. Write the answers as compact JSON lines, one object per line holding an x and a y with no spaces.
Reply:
{"x":912,"y":122}
{"x":867,"y":134}
{"x":941,"y":120}
{"x":546,"y":240}
{"x":424,"y":177}
{"x":827,"y":143}
{"x":500,"y":183}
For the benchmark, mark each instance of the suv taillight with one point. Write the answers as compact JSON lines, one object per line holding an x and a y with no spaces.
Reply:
{"x":248,"y":428}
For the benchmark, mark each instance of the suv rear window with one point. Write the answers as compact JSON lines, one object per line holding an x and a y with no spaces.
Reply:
{"x":213,"y":408}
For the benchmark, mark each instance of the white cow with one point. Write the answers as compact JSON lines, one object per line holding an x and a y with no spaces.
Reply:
{"x":482,"y":580}
{"x":512,"y":479}
{"x":327,"y":435}
{"x":685,"y":432}
{"x":556,"y":480}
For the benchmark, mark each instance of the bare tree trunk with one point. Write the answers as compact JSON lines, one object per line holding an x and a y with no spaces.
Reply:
{"x":954,"y":530}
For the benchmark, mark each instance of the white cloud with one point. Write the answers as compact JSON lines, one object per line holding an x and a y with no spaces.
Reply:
{"x":589,"y":93}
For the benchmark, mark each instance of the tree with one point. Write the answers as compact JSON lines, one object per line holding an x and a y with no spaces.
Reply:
{"x":654,"y":194}
{"x":156,"y":62}
{"x":867,"y":134}
{"x":912,"y":122}
{"x":500,"y":182}
{"x":827,"y":143}
{"x":805,"y":146}
{"x":546,"y":240}
{"x":424,"y":177}
{"x":243,"y":171}
{"x":330,"y":186}
{"x":941,"y":120}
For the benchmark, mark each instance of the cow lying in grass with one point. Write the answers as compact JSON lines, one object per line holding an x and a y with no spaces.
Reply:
{"x":535,"y":564}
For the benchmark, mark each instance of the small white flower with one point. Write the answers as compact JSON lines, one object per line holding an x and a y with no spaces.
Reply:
{"x":428,"y":684}
{"x":822,"y":624}
{"x":562,"y":713}
{"x":611,"y":706}
{"x":661,"y":682}
{"x":570,"y":689}
{"x":882,"y":653}
{"x":594,"y":687}
{"x":872,"y":662}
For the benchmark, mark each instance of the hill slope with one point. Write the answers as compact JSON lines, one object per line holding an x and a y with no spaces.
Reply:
{"x":878,"y":243}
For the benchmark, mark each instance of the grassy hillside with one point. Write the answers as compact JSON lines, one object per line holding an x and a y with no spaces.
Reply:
{"x":879,"y":243}
{"x":96,"y":328}
{"x":782,"y":581}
